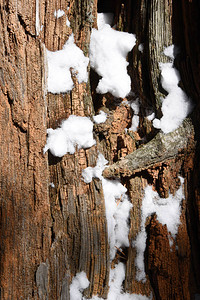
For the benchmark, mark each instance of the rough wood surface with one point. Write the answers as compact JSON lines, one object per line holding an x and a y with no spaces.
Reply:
{"x":48,"y":234}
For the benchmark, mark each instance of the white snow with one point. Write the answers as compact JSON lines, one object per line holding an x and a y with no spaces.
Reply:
{"x":52,"y":185}
{"x":79,"y":283}
{"x":75,"y":131}
{"x":141,"y":48}
{"x":117,"y":276}
{"x":168,"y":211}
{"x":103,"y":19}
{"x":67,"y":22}
{"x":170,"y":51}
{"x":117,"y":206}
{"x":135,"y":105}
{"x":100,"y":118}
{"x":135,"y":123}
{"x":117,"y":214}
{"x":108,"y":51}
{"x":95,"y":172}
{"x":176,"y":105}
{"x":59,"y":64}
{"x":59,"y":13}
{"x":151,"y":116}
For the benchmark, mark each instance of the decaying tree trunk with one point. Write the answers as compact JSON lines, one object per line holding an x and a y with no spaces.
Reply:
{"x":47,"y":233}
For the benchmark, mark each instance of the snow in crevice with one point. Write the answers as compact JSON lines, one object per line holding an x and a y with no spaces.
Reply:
{"x":67,"y":22}
{"x":168,"y":211}
{"x":135,"y":105}
{"x":117,"y":206}
{"x":100,"y":118}
{"x":116,"y":278}
{"x":151,"y":116}
{"x":176,"y":105}
{"x":59,"y":13}
{"x":108,"y":51}
{"x":141,"y":48}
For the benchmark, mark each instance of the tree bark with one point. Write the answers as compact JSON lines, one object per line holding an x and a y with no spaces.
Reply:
{"x":48,"y":234}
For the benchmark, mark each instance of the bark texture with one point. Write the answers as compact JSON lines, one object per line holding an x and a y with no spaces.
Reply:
{"x":48,"y":234}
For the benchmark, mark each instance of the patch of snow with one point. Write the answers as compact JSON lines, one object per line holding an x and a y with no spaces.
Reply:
{"x":168,"y":211}
{"x":135,"y":123}
{"x":52,"y":185}
{"x":117,"y":276}
{"x":103,"y":19}
{"x":169,"y":51}
{"x":59,"y":64}
{"x":95,"y":172}
{"x":117,"y":206}
{"x":67,"y":22}
{"x":135,"y":105}
{"x":79,"y":283}
{"x":176,"y":105}
{"x":108,"y":51}
{"x":100,"y":118}
{"x":75,"y":131}
{"x":117,"y":214}
{"x":141,"y":48}
{"x":151,"y":116}
{"x":59,"y":13}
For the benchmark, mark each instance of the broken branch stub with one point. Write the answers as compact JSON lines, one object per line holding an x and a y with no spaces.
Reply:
{"x":161,"y":148}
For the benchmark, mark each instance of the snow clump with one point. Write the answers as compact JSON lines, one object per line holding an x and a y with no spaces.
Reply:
{"x":100,"y":118}
{"x":75,"y":131}
{"x":108,"y":51}
{"x":59,"y":13}
{"x":95,"y":172}
{"x":168,"y":211}
{"x":141,"y":48}
{"x":103,"y":19}
{"x":176,"y":105}
{"x":79,"y":283}
{"x":59,"y":64}
{"x":117,"y":205}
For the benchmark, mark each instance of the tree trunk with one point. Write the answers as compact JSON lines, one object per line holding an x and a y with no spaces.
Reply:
{"x":48,"y":232}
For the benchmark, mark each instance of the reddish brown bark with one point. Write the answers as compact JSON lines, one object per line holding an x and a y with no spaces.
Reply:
{"x":49,"y":234}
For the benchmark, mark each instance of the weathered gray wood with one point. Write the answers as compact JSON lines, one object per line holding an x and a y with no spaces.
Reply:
{"x":159,"y":149}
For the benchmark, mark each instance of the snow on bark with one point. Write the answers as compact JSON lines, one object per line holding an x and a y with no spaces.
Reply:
{"x":108,"y":51}
{"x":176,"y":105}
{"x":74,"y":132}
{"x":168,"y":212}
{"x":59,"y":64}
